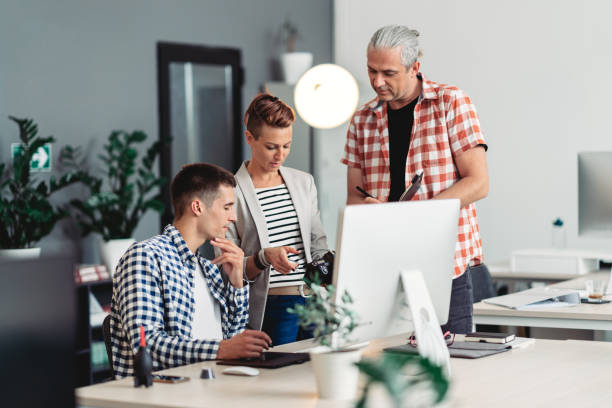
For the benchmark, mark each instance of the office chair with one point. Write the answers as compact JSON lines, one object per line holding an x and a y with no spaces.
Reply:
{"x":482,"y":288}
{"x":107,"y":341}
{"x":482,"y":285}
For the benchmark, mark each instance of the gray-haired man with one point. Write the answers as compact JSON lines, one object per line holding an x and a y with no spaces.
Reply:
{"x":415,"y":125}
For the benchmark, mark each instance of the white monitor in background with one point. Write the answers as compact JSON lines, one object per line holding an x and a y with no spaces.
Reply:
{"x":378,"y":241}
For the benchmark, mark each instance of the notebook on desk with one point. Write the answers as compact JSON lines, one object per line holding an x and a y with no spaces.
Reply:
{"x":461,"y":349}
{"x":269,"y":359}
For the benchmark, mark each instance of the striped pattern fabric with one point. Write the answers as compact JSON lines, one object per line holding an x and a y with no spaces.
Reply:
{"x":445,"y":125}
{"x":283,"y":230}
{"x":153,"y":286}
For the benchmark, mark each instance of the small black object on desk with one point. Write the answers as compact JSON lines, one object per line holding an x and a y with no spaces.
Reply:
{"x":143,"y":365}
{"x":594,"y":301}
{"x":207,"y":374}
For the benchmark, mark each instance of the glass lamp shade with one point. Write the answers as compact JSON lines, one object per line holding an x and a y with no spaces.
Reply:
{"x":326,"y":96}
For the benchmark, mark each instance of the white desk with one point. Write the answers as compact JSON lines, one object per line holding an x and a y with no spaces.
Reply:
{"x":547,"y":373}
{"x":582,"y":316}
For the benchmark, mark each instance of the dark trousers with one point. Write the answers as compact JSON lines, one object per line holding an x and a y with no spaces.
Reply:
{"x":461,"y":305}
{"x":281,"y":325}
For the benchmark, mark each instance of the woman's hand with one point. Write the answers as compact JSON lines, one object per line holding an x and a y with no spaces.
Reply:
{"x":279,"y":258}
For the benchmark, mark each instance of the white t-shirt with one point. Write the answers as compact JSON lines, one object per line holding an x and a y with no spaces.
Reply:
{"x":207,"y":316}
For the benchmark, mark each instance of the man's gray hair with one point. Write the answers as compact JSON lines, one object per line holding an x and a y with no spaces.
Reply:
{"x":393,"y":36}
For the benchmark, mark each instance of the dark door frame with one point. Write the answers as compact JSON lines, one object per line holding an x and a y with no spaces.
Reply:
{"x":168,"y":53}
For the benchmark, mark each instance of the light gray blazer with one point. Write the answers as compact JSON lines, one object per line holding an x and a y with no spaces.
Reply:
{"x":250,"y":231}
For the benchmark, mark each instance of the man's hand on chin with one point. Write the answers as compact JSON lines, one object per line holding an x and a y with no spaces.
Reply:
{"x":231,"y":259}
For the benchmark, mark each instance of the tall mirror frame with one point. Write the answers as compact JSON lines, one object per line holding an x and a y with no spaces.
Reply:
{"x":169,"y":53}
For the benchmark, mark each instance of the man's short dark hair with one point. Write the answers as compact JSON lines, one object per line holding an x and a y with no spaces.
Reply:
{"x":198,"y":180}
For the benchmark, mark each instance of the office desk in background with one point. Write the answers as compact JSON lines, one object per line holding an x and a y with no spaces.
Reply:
{"x":547,"y":373}
{"x":503,"y":271}
{"x":582,"y":316}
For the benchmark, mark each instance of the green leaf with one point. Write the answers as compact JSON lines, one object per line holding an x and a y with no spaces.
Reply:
{"x":116,"y":203}
{"x":26,"y":212}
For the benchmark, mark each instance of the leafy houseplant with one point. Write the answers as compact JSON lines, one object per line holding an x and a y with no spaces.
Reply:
{"x":405,"y":378}
{"x":132,"y":189}
{"x":117,"y":203}
{"x":26,"y":215}
{"x":333,"y":365}
{"x":326,"y":317}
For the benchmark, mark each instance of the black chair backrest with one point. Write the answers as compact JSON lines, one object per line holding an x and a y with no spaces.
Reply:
{"x":482,"y":285}
{"x":107,"y":340}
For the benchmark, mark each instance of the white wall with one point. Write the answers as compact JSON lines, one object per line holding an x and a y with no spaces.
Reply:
{"x":538,"y":72}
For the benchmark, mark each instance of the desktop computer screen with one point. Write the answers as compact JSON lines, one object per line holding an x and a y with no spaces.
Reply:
{"x":595,"y":194}
{"x":376,"y":242}
{"x":37,"y":332}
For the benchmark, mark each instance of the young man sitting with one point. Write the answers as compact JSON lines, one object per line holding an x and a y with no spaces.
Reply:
{"x":190,"y":312}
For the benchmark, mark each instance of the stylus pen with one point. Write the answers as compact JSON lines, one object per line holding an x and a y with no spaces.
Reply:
{"x":365,"y":193}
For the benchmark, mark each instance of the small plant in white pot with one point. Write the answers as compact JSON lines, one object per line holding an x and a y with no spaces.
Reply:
{"x":293,"y":64}
{"x":331,"y":322}
{"x":117,"y":203}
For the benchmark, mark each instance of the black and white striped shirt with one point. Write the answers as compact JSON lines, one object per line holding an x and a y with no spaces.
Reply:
{"x":283,"y":230}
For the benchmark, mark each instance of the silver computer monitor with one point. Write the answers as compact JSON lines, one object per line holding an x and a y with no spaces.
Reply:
{"x":376,"y":242}
{"x":595,"y":194}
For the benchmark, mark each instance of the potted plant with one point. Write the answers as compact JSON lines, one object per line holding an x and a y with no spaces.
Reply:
{"x":26,"y":213}
{"x":332,"y":322}
{"x":402,"y":380}
{"x":118,"y":201}
{"x":293,"y":64}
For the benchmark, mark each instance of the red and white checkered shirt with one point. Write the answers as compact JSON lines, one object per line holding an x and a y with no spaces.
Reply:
{"x":445,"y":125}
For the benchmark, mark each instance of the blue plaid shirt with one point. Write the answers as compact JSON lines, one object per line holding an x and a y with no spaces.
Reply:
{"x":153,"y":286}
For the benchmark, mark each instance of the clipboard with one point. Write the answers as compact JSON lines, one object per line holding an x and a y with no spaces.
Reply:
{"x":415,"y":184}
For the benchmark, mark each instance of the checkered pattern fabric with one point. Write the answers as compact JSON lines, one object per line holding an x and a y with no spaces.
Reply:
{"x":445,"y":125}
{"x":153,"y":287}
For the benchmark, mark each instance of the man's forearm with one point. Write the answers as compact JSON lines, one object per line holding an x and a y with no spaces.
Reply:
{"x":238,"y":311}
{"x":172,"y":351}
{"x":252,"y":271}
{"x":468,"y":190}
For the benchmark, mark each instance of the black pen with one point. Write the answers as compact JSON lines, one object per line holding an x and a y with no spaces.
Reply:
{"x":365,"y":193}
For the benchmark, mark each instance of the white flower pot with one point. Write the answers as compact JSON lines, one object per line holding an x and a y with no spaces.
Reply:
{"x":112,"y":251}
{"x":336,"y":373}
{"x":294,"y":64}
{"x":21,"y":253}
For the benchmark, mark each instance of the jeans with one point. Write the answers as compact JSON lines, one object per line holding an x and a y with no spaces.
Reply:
{"x":280,"y":325}
{"x":461,"y":305}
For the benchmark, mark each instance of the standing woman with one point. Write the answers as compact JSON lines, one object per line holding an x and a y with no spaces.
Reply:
{"x":278,"y":223}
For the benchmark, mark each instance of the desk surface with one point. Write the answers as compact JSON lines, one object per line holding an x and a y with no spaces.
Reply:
{"x":581,"y":316}
{"x":547,"y":373}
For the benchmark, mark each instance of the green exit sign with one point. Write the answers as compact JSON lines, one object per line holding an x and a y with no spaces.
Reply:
{"x":41,"y":160}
